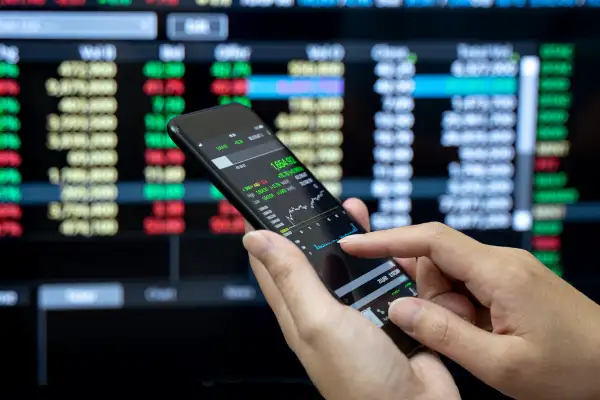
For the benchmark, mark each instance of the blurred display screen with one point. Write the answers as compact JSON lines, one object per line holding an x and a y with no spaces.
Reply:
{"x":119,"y":256}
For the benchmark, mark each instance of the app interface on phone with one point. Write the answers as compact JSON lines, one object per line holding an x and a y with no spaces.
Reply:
{"x":289,"y":200}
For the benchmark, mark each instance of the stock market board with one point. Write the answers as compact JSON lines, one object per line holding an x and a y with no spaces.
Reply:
{"x":484,"y":119}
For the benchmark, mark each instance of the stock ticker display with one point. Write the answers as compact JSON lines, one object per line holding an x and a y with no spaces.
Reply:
{"x":481,"y":118}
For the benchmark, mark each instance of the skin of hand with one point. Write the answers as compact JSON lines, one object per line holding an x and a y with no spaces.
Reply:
{"x":496,"y":311}
{"x":345,"y":355}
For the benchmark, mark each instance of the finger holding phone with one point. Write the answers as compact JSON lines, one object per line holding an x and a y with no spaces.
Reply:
{"x":496,"y":311}
{"x":345,"y":355}
{"x":276,"y":192}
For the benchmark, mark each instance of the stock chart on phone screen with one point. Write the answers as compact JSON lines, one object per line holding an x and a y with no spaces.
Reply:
{"x":286,"y":198}
{"x":479,"y":114}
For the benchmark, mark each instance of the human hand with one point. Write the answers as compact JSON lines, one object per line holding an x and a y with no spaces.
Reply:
{"x":514,"y":323}
{"x":345,"y":355}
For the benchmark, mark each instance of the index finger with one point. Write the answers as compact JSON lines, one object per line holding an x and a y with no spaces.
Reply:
{"x":303,"y":292}
{"x":453,"y":252}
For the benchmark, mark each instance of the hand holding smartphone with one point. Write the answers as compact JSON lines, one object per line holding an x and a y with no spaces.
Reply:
{"x":273,"y":190}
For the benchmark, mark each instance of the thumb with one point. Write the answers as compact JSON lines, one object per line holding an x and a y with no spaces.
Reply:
{"x":447,"y":333}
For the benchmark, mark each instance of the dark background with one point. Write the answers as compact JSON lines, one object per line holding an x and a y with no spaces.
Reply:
{"x":231,"y":350}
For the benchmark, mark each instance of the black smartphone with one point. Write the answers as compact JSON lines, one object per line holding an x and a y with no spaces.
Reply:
{"x":274,"y":190}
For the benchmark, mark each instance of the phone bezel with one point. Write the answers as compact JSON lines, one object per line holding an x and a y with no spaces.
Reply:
{"x":219,"y":181}
{"x":227,"y":188}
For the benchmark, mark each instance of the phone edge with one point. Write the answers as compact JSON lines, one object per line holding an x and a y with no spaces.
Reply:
{"x":188,"y":148}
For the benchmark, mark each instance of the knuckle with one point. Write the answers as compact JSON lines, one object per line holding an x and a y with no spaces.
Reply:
{"x":314,"y":329}
{"x":442,"y":334}
{"x":438,"y":329}
{"x":282,"y":272}
{"x":437,"y":229}
{"x":434,"y":232}
{"x":290,"y":339}
{"x":523,"y":255}
{"x":521,"y":265}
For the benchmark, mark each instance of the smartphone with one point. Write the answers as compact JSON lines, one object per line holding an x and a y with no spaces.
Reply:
{"x":274,"y":190}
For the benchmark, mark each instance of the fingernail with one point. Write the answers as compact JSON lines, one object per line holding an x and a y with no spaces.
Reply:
{"x":350,"y":238}
{"x":404,"y":312}
{"x":256,"y":243}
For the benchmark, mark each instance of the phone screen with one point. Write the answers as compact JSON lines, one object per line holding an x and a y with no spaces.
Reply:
{"x":286,"y":197}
